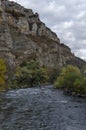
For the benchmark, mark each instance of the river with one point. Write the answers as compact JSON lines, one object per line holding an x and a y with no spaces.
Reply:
{"x":41,"y":108}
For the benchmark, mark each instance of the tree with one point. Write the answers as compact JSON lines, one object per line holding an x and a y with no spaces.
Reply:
{"x":67,"y":78}
{"x":31,"y":74}
{"x":80,"y":86}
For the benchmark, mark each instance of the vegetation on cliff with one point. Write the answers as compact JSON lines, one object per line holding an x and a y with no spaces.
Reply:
{"x":2,"y":74}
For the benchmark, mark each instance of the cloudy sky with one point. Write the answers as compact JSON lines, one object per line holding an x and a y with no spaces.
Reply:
{"x":65,"y":17}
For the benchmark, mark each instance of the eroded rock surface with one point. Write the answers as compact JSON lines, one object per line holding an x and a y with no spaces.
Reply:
{"x":24,"y":36}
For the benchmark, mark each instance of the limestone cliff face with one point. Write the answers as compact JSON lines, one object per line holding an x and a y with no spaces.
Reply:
{"x":23,"y":36}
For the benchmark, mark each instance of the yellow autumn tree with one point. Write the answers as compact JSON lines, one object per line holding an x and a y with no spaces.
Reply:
{"x":2,"y":73}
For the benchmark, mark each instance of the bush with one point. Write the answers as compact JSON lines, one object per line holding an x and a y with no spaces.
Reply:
{"x":31,"y":74}
{"x":80,"y":86}
{"x":2,"y":74}
{"x":67,"y":78}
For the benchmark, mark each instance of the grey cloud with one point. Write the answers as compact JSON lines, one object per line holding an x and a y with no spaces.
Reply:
{"x":81,"y":53}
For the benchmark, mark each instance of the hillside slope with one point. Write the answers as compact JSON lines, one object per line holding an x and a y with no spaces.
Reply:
{"x":24,"y":36}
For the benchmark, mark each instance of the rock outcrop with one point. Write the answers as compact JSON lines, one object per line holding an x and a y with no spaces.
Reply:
{"x":23,"y":36}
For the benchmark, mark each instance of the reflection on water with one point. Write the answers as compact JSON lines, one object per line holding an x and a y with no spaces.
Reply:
{"x":41,"y":109}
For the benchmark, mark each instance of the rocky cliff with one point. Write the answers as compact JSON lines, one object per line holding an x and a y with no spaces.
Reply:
{"x":24,"y":36}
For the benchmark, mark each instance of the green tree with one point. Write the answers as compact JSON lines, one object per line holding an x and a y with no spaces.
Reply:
{"x":31,"y":74}
{"x":67,"y":78}
{"x":80,"y":86}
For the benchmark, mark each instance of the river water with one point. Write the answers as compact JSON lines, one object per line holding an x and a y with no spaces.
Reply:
{"x":41,"y":108}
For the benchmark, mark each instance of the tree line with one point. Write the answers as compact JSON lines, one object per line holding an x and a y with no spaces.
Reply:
{"x":30,"y":74}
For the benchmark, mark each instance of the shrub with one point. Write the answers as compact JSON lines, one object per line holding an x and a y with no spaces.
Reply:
{"x":2,"y":73}
{"x":31,"y":74}
{"x":67,"y":78}
{"x":80,"y":86}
